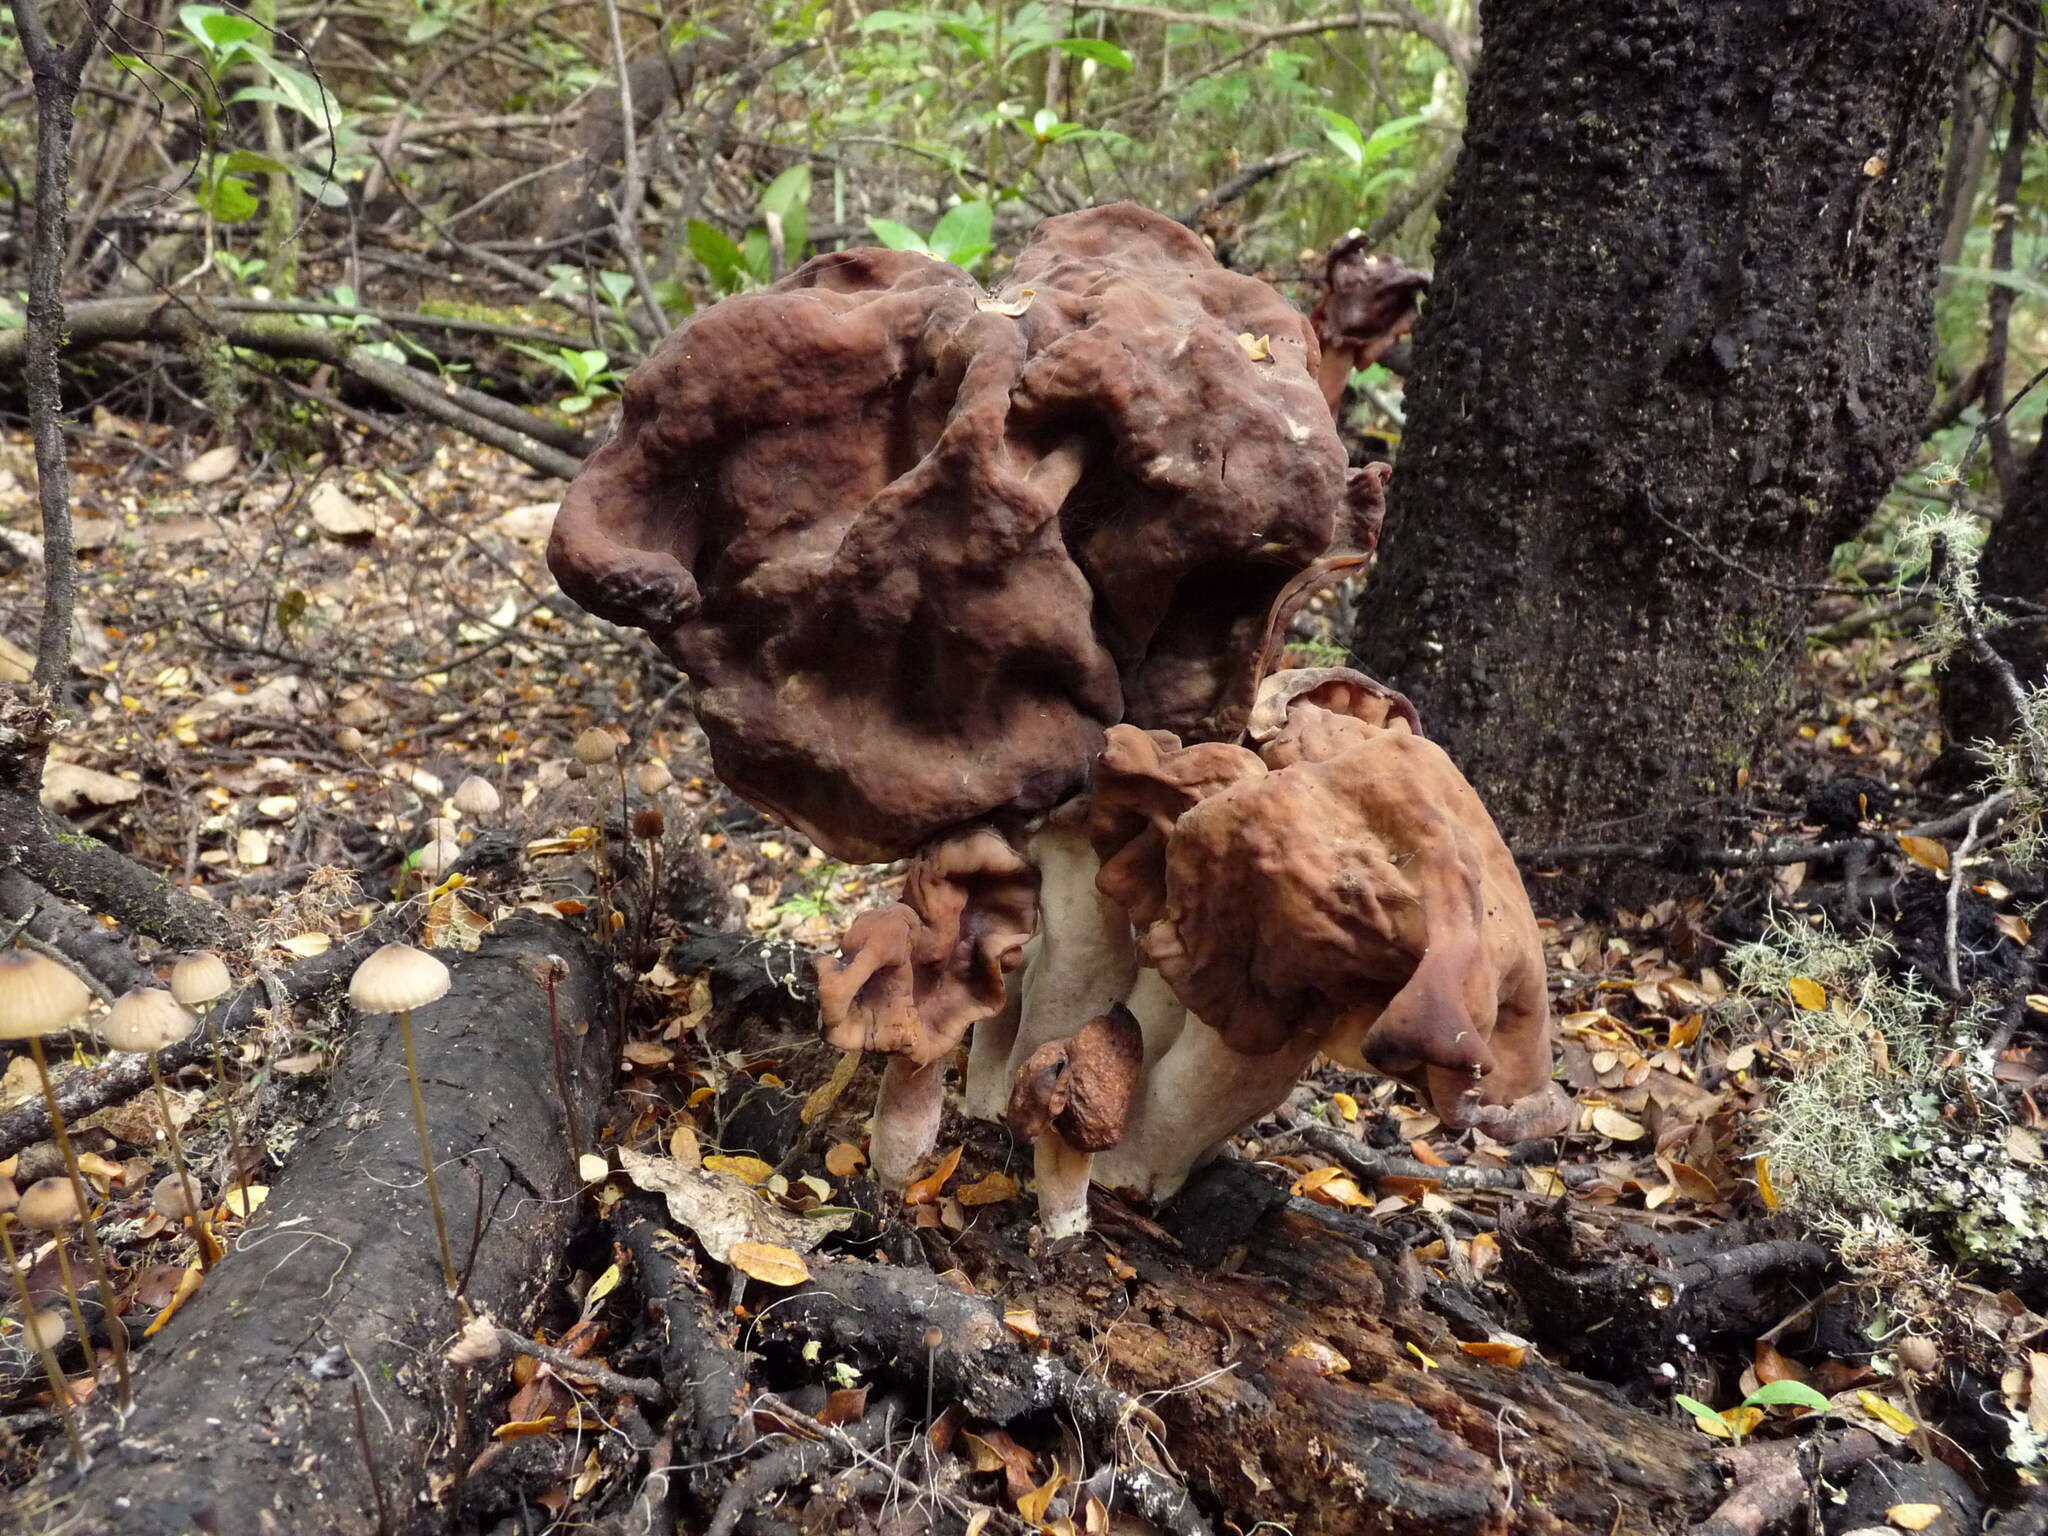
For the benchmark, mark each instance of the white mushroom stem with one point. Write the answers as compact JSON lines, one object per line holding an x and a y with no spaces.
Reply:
{"x":989,"y":1049}
{"x":906,"y":1120}
{"x":1197,"y":1096}
{"x":1161,"y":1016}
{"x":1061,"y":1172}
{"x":1084,"y":959}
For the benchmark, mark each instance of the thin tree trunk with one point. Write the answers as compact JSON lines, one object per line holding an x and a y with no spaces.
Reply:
{"x":1677,"y":346}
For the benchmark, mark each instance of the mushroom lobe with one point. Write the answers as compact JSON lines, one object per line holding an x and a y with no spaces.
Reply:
{"x":1081,"y":1085}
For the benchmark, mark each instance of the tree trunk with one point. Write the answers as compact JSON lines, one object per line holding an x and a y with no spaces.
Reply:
{"x":1678,"y":343}
{"x":247,"y":1416}
{"x":2015,"y":564}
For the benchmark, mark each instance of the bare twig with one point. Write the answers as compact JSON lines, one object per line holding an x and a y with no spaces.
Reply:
{"x":563,"y":1363}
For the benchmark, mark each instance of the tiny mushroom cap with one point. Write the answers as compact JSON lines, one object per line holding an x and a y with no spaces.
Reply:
{"x":45,"y":1329}
{"x":37,"y":996}
{"x":170,"y":1200}
{"x":200,"y":977}
{"x":653,"y":778}
{"x":397,"y":979}
{"x":1081,"y":1087}
{"x":439,"y":827}
{"x":438,"y":857}
{"x":48,"y":1205}
{"x":349,"y":739}
{"x":476,"y":797}
{"x":596,"y":745}
{"x":146,"y":1019}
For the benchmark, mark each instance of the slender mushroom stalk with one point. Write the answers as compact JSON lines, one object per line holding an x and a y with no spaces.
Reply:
{"x":49,"y":1206}
{"x":1070,"y":1102}
{"x":397,"y":979}
{"x":39,"y":997}
{"x":595,"y":747}
{"x":60,"y":1386}
{"x":143,"y":1022}
{"x":553,"y":972}
{"x":199,"y":981}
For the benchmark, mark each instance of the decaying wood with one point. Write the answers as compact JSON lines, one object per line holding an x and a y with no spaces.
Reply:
{"x":246,"y":1418}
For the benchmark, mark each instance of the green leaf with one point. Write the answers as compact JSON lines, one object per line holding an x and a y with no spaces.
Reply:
{"x":247,"y":160}
{"x":790,"y":190}
{"x":1776,"y":1394}
{"x":227,"y":200}
{"x":719,"y":257}
{"x":1390,"y":136}
{"x":963,"y":230}
{"x":898,"y":237}
{"x":1695,"y":1407}
{"x":1098,"y":50}
{"x":757,"y":254}
{"x":1346,"y":135}
{"x":892,"y":21}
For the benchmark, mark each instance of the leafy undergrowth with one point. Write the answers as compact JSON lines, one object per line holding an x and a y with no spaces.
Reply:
{"x":283,"y":678}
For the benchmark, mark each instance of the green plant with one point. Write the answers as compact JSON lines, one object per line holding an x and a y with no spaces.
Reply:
{"x":963,"y":235}
{"x":588,"y":370}
{"x":784,"y":211}
{"x":1735,"y":1423}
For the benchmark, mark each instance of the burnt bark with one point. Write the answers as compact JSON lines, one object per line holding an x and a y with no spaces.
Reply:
{"x":246,"y":1416}
{"x":1678,"y":343}
{"x":1974,"y":704}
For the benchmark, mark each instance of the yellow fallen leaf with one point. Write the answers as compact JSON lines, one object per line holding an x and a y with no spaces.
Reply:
{"x":1715,"y":1425}
{"x":989,"y":1189}
{"x":1925,"y":851}
{"x":843,"y":1159}
{"x":1346,"y":1105}
{"x":750,"y":1170}
{"x":187,"y":1284}
{"x":1765,"y":1189}
{"x":600,"y":1288}
{"x":93,"y":1166}
{"x":768,"y":1263}
{"x":1499,"y":1351}
{"x":1612,"y":1123}
{"x":826,"y":1094}
{"x":1807,"y":993}
{"x":1743,"y":1420}
{"x":2038,"y":1001}
{"x":521,"y":1429}
{"x":1010,"y":307}
{"x":590,"y":1167}
{"x":1319,"y":1356}
{"x":682,"y":1146}
{"x":1543,"y":1181}
{"x":927,"y":1189}
{"x":1023,"y":1322}
{"x":978,"y":1522}
{"x":1427,"y":1363}
{"x":1913,"y":1517}
{"x":1033,"y":1505}
{"x":1885,"y":1413}
{"x":245,"y":1198}
{"x":591,"y":1475}
{"x":1258,"y":348}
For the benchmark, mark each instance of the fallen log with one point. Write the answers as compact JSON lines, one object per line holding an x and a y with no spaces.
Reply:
{"x":302,"y":1388}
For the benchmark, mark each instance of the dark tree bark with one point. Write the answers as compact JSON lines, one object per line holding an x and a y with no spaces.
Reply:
{"x":245,"y":1418}
{"x":1678,"y":343}
{"x":1974,"y":705}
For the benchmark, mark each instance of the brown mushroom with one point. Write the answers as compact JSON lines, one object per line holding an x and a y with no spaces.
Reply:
{"x":1071,"y":1099}
{"x":911,"y":979}
{"x":916,"y":549}
{"x":144,"y":1021}
{"x":1368,"y":303}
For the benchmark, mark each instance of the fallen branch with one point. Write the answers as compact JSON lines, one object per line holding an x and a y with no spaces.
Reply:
{"x":1771,"y":1480}
{"x":245,"y":1401}
{"x":545,"y":445}
{"x":1368,"y":1163}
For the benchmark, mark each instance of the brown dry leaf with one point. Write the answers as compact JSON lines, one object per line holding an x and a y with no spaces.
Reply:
{"x":1320,"y":1357}
{"x":1023,"y":1322}
{"x":843,"y":1159}
{"x":186,"y":1286}
{"x":749,"y":1170}
{"x":1425,"y":1154}
{"x":1033,"y":1505}
{"x":1913,"y":1517}
{"x":1613,"y":1124}
{"x":989,"y":1189}
{"x":1117,"y":1265}
{"x":520,"y":1429}
{"x":682,"y":1146}
{"x":996,"y":1451}
{"x":1690,"y":1181}
{"x":1483,"y":1253}
{"x":1808,"y":993}
{"x":214,"y":465}
{"x":978,"y":1521}
{"x":844,"y":1405}
{"x":928,"y":1189}
{"x":769,"y":1264}
{"x":649,"y":1053}
{"x":1498,"y":1351}
{"x":826,"y":1094}
{"x":1772,"y":1366}
{"x":1925,"y":851}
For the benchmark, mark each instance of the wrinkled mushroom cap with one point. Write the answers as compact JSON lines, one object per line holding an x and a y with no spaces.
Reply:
{"x":37,"y":996}
{"x":49,"y":1205}
{"x":596,"y":745}
{"x":146,"y":1019}
{"x":652,"y":778}
{"x":1368,"y":302}
{"x":911,"y":978}
{"x":1081,"y":1086}
{"x":200,"y":977}
{"x":916,"y":549}
{"x":397,"y":979}
{"x":476,"y":797}
{"x":1140,"y":785}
